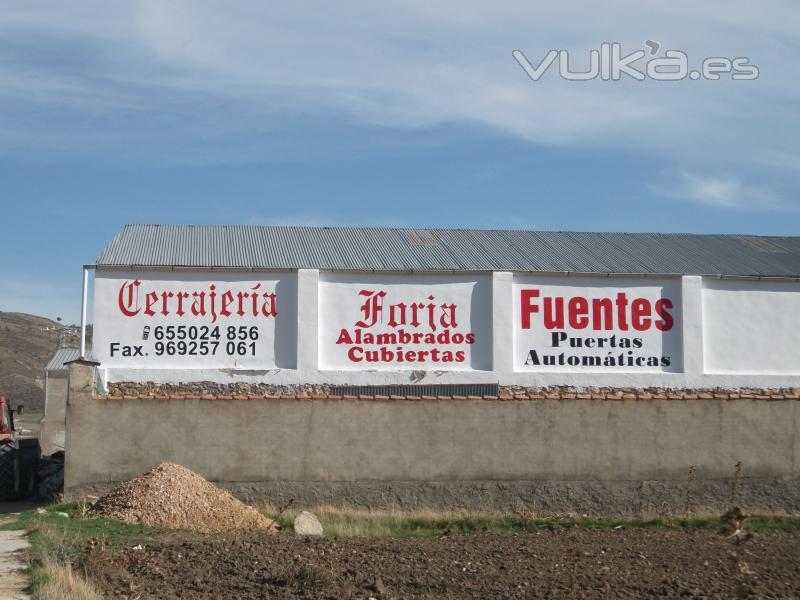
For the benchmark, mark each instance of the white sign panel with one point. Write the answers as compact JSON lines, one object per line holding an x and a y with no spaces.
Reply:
{"x":195,"y":320}
{"x":594,"y":324}
{"x":396,"y":322}
{"x":751,"y":327}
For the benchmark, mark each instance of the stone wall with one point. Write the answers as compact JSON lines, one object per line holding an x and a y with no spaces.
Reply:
{"x":209,"y":390}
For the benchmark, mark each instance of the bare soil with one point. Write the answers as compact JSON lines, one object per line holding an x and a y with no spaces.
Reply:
{"x":25,"y":349}
{"x":573,"y":563}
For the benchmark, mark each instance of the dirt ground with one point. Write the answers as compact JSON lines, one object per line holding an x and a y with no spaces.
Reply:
{"x":622,"y":563}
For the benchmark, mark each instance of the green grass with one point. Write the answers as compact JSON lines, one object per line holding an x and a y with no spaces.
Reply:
{"x":53,"y":533}
{"x":424,"y":524}
{"x":57,"y":542}
{"x":49,"y":531}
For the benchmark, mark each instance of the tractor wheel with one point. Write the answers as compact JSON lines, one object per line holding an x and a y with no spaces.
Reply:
{"x":27,"y":483}
{"x":28,"y":454}
{"x":9,"y":472}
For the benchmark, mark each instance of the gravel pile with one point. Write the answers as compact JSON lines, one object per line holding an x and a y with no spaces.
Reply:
{"x":170,"y":496}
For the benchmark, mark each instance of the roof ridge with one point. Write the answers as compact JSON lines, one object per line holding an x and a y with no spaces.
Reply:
{"x":464,"y":229}
{"x":404,"y":249}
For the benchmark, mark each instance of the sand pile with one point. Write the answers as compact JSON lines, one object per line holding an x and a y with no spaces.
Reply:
{"x":173,"y":497}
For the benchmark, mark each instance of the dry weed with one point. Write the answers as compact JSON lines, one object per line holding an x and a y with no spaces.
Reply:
{"x":60,"y":582}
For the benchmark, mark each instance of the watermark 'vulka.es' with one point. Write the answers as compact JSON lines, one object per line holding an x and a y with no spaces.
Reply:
{"x":609,"y":64}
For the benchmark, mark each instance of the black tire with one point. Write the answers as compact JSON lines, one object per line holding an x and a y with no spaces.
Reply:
{"x":9,"y":472}
{"x":28,"y":483}
{"x":28,"y":455}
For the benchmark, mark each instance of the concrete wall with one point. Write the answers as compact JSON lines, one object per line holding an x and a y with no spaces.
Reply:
{"x":601,"y":450}
{"x":55,"y":398}
{"x":51,"y":433}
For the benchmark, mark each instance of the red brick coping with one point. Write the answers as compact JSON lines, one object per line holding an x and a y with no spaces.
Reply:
{"x":617,"y":396}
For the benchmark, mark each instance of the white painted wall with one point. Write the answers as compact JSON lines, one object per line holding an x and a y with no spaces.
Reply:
{"x":597,"y":324}
{"x":195,"y":320}
{"x":434,"y":322}
{"x":751,"y":327}
{"x":502,"y":324}
{"x":725,"y":334}
{"x":307,"y":320}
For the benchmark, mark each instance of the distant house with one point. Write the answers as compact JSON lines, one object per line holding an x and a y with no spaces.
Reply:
{"x":51,"y":435}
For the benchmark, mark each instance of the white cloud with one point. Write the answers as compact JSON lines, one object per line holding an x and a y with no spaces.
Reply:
{"x":170,"y":80}
{"x":721,"y":192}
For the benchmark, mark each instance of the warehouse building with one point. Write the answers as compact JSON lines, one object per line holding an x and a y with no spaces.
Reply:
{"x":387,"y":306}
{"x":378,"y":355}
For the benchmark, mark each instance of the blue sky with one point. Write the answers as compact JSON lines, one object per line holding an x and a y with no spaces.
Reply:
{"x":393,"y":114}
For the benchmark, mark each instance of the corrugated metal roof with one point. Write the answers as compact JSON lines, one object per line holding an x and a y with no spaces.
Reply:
{"x":385,"y":249}
{"x":62,"y":356}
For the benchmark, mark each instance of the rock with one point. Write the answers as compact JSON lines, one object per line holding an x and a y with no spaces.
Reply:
{"x":307,"y":524}
{"x":378,"y":587}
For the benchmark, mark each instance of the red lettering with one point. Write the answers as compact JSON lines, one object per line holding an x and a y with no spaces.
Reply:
{"x":616,"y":312}
{"x":415,"y":314}
{"x":372,"y":307}
{"x":622,"y":311}
{"x":400,"y":308}
{"x":640,"y":314}
{"x":602,"y":313}
{"x":270,"y":306}
{"x":241,"y":297}
{"x":431,"y":308}
{"x":527,"y":306}
{"x":578,"y":312}
{"x":212,"y":296}
{"x":344,"y":337}
{"x":353,"y":354}
{"x":150,"y":300}
{"x":165,"y":296}
{"x":210,"y":301}
{"x":227,"y":300}
{"x":254,"y":297}
{"x":127,"y":292}
{"x":181,"y":297}
{"x":554,"y":317}
{"x":666,"y":322}
{"x":449,"y":315}
{"x":199,"y":304}
{"x":415,"y":307}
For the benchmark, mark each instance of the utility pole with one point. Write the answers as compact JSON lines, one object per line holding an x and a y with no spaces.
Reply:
{"x":61,"y":334}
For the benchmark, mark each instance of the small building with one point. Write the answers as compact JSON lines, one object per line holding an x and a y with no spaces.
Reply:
{"x":51,"y":434}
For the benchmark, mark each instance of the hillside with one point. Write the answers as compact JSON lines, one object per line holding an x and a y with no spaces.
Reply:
{"x":25,"y":349}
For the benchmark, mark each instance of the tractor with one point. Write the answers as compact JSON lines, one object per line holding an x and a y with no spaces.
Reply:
{"x":19,"y":457}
